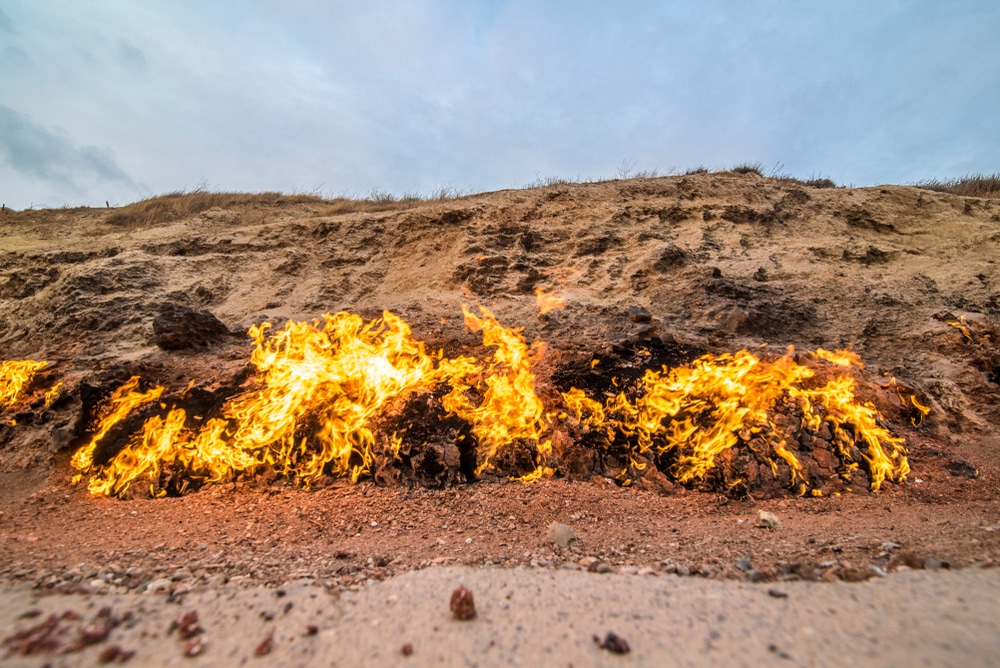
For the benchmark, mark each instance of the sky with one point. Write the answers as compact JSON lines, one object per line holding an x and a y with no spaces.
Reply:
{"x":115,"y":101}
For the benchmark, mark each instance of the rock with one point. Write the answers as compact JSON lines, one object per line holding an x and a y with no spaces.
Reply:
{"x":180,"y":328}
{"x":766,"y":520}
{"x":614,"y":643}
{"x":639,"y":314}
{"x":462,"y":604}
{"x":560,"y":534}
{"x":743,"y":563}
{"x":158,"y":586}
{"x":906,"y":558}
{"x":407,"y":649}
{"x":646,"y":570}
{"x":194,"y":647}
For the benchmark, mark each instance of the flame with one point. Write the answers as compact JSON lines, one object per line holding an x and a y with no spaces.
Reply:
{"x":510,"y":409}
{"x":123,"y":401}
{"x":697,"y":411}
{"x":961,"y":326}
{"x":547,"y":301}
{"x":845,"y":358}
{"x":52,"y":394}
{"x":321,"y":388}
{"x":15,"y":377}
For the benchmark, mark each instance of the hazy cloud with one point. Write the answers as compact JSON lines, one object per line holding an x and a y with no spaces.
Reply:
{"x":6,"y":24}
{"x":53,"y":156}
{"x":132,"y":57}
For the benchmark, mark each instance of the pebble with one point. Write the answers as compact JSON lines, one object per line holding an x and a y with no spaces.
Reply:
{"x":766,"y":520}
{"x":560,"y":534}
{"x":462,"y":604}
{"x":158,"y":586}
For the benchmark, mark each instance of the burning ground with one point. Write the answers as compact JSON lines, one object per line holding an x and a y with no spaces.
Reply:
{"x":261,"y":389}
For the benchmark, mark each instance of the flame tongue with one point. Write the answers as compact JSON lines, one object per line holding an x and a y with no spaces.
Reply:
{"x":320,"y":387}
{"x":15,"y":377}
{"x":696,"y":412}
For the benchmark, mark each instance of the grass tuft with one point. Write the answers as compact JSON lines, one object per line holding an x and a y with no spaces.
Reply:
{"x":972,"y":185}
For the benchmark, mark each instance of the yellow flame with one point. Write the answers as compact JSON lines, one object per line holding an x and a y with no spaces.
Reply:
{"x":547,"y":301}
{"x":15,"y":377}
{"x":510,"y":409}
{"x":52,"y":394}
{"x":701,"y":409}
{"x":844,"y":358}
{"x":320,"y":387}
{"x":962,"y":327}
{"x":122,"y":402}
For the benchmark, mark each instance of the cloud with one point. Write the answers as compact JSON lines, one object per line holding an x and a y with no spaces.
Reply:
{"x":36,"y":152}
{"x":6,"y":24}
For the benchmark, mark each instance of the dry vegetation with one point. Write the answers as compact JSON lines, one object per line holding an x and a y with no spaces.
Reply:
{"x":973,"y":185}
{"x":180,"y":205}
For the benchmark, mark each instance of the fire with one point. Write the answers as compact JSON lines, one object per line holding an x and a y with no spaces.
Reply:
{"x":322,"y":391}
{"x":695,"y":412}
{"x":15,"y":377}
{"x":547,"y":301}
{"x":510,"y":409}
{"x":319,"y":390}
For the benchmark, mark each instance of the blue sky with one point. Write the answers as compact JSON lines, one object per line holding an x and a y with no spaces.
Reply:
{"x":121,"y":100}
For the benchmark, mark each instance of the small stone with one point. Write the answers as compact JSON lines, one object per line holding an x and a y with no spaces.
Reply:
{"x":776,"y":593}
{"x":743,"y":563}
{"x":406,"y":649}
{"x":639,"y":314}
{"x":646,"y":570}
{"x":115,"y":653}
{"x":187,"y":625}
{"x":266,"y":645}
{"x":312,"y":629}
{"x":158,"y":586}
{"x":462,"y":604}
{"x":194,"y":647}
{"x":560,"y":534}
{"x":628,"y":570}
{"x":906,"y":558}
{"x":766,"y":520}
{"x":614,"y":643}
{"x":94,"y":633}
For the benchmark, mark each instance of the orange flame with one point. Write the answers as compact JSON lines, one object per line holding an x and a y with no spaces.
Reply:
{"x":15,"y":377}
{"x":320,"y":387}
{"x":319,"y":390}
{"x":702,"y":409}
{"x":547,"y":301}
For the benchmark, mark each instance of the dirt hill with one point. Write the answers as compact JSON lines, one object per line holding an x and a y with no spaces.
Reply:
{"x":650,"y":272}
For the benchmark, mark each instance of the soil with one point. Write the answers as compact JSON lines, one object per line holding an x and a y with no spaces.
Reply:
{"x":720,"y":262}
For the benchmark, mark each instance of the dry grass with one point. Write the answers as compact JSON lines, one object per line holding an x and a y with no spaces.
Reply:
{"x":973,"y":185}
{"x":179,"y":205}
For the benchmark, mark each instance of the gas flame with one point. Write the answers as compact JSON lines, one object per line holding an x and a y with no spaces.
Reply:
{"x":15,"y":377}
{"x":321,"y":388}
{"x":547,"y":301}
{"x":697,"y":411}
{"x":510,"y":409}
